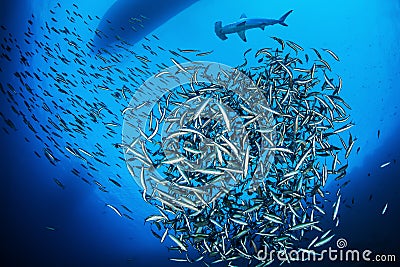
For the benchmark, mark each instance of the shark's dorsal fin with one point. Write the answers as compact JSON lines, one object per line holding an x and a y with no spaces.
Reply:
{"x":242,"y":35}
{"x":243,"y":16}
{"x":242,"y":23}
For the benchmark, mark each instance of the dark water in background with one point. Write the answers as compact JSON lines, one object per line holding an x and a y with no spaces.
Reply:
{"x":365,"y":35}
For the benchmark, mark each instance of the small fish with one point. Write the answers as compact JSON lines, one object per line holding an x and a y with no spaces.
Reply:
{"x":155,"y":234}
{"x":126,"y":208}
{"x":178,"y":260}
{"x":188,"y":50}
{"x":178,"y":65}
{"x":114,"y":209}
{"x":385,"y":164}
{"x":332,"y":54}
{"x":384,"y":208}
{"x":335,"y":212}
{"x":303,"y":225}
{"x":58,"y":183}
{"x":178,"y":242}
{"x":323,"y":241}
{"x":154,"y":218}
{"x":204,"y":53}
{"x":164,"y":235}
{"x":114,"y":182}
{"x":273,"y":218}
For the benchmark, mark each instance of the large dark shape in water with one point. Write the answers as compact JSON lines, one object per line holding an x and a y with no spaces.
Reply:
{"x":118,"y":19}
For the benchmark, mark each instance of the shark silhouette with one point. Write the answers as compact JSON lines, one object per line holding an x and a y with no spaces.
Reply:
{"x":244,"y":24}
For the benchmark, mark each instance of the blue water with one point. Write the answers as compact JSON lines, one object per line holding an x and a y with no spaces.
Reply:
{"x":365,"y":34}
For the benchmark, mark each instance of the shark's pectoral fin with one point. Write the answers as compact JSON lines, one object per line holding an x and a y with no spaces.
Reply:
{"x":262,"y":27}
{"x":242,"y":35}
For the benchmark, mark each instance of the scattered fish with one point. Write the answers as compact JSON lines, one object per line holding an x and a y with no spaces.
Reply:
{"x":385,"y":164}
{"x":224,"y":226}
{"x":384,"y":209}
{"x":114,"y":209}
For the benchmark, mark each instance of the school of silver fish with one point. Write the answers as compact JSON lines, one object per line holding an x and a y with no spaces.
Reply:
{"x":306,"y":135}
{"x":212,"y":133}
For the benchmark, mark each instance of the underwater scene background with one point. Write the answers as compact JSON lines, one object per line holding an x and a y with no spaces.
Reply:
{"x":69,"y":69}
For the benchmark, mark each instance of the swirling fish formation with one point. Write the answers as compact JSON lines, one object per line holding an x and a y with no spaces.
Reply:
{"x":234,"y":159}
{"x":216,"y":189}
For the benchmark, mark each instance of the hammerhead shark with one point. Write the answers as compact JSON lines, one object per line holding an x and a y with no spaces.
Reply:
{"x":245,"y":23}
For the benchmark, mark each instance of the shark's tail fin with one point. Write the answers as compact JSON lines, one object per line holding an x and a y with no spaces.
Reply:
{"x":282,"y":19}
{"x":218,"y":30}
